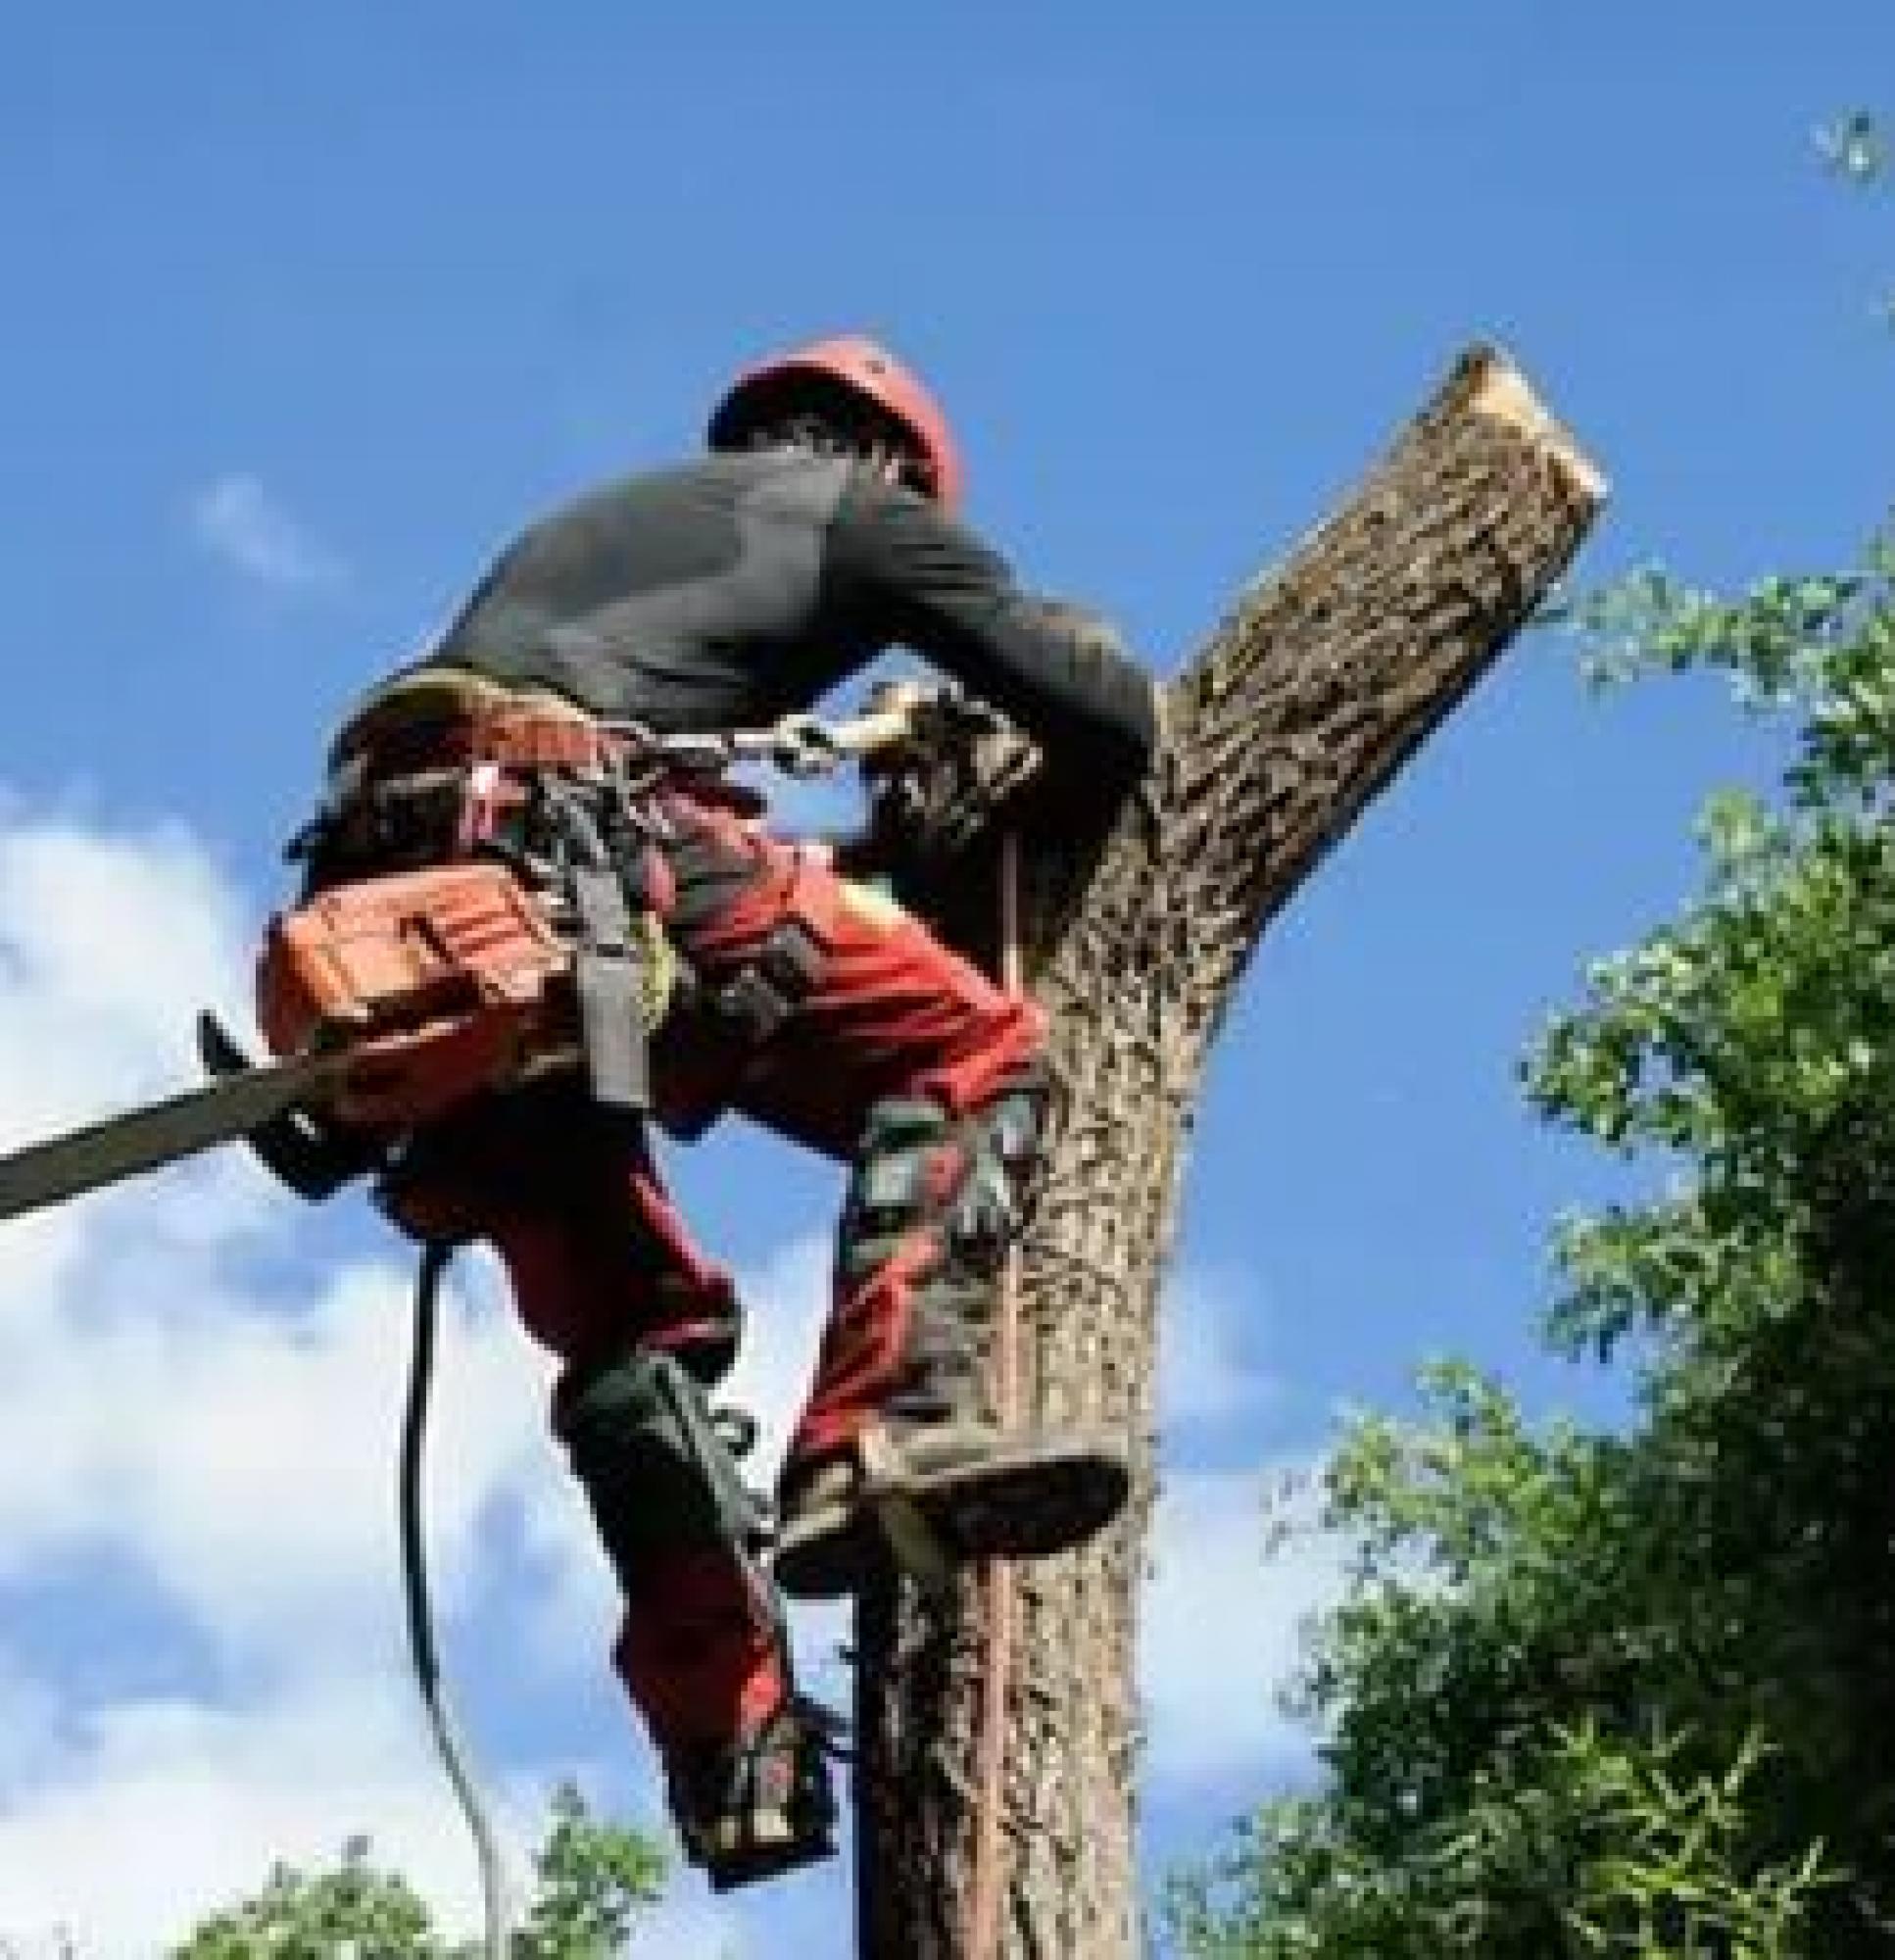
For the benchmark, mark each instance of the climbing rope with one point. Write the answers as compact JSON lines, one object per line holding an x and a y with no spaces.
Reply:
{"x":987,"y":1884}
{"x":435,"y":1255}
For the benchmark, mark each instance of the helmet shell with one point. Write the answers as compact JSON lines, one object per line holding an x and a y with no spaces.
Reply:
{"x":867,"y":370}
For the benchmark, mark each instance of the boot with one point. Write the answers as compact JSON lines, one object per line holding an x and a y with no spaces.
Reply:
{"x":760,"y":1806}
{"x":937,"y":1494}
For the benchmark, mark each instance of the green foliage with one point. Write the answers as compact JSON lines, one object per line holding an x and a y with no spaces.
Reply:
{"x":1582,"y":1846}
{"x":594,"y":1881}
{"x":1632,"y":1694}
{"x":353,"y":1908}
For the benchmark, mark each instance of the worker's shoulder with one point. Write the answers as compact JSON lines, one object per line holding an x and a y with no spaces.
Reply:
{"x":891,"y":534}
{"x":863,"y":521}
{"x":777,"y":480}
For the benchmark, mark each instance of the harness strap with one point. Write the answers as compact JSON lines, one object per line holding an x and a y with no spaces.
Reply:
{"x":440,"y":761}
{"x":611,"y":975}
{"x":452,"y":714}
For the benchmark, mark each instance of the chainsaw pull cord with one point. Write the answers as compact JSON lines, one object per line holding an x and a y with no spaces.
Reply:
{"x":997,"y":1617}
{"x":435,"y":1255}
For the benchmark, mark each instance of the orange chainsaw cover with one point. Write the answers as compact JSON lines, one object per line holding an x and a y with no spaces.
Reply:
{"x":438,"y":983}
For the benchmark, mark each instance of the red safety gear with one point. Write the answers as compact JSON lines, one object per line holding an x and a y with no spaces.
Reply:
{"x":601,"y":1261}
{"x":868,"y":372}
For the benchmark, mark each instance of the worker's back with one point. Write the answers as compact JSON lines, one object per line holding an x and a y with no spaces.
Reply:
{"x":727,"y":592}
{"x":687,"y":598}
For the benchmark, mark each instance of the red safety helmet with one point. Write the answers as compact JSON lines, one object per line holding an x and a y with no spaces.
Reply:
{"x":872,"y":375}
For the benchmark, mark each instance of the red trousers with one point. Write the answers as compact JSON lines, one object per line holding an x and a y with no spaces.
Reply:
{"x":600,"y":1261}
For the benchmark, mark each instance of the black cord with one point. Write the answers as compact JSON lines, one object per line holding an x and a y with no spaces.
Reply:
{"x":435,"y":1256}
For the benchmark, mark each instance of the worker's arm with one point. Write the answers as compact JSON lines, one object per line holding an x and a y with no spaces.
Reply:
{"x":899,"y":571}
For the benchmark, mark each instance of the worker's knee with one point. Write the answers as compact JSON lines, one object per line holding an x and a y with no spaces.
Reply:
{"x":969,"y":1180}
{"x":908,"y":1167}
{"x":656,"y":1462}
{"x":1008,"y":1160}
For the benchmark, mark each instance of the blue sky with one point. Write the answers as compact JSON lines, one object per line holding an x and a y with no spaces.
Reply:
{"x":308,"y":309}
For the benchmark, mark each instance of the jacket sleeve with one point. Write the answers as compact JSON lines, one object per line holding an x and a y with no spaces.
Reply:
{"x":900,"y":571}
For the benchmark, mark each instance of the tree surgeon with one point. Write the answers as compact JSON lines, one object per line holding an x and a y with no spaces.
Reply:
{"x":717,"y":595}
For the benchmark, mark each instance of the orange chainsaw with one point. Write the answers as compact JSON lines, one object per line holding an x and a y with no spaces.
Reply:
{"x":387,"y":1002}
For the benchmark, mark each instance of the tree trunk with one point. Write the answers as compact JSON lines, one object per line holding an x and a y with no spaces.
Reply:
{"x":1302,"y":704}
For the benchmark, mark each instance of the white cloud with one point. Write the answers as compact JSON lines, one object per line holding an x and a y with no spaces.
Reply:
{"x":241,"y":523}
{"x":1223,"y":1620}
{"x":785,"y":1300}
{"x":29,"y":1723}
{"x":1209,"y":1374}
{"x":108,"y":947}
{"x":162,"y":1403}
{"x":1224,"y":1611}
{"x":226,"y":1441}
{"x":242,"y":1456}
{"x":160,"y":1809}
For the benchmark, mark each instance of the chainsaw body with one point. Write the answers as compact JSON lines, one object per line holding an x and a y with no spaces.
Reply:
{"x":437,"y":984}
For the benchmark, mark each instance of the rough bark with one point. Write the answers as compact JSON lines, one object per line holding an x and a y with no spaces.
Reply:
{"x":1304,"y":702}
